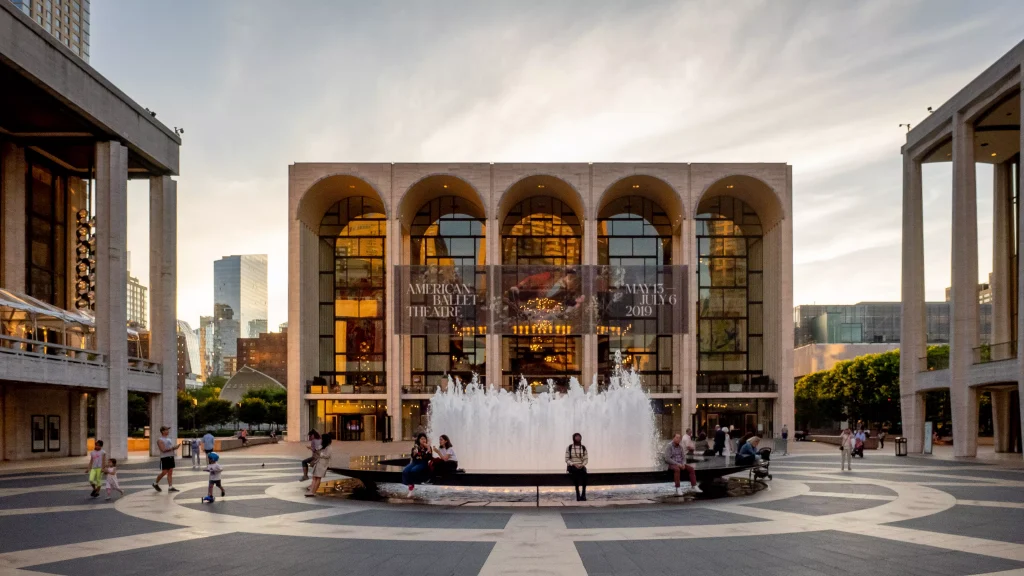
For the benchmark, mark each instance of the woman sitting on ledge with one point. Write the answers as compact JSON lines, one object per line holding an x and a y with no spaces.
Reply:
{"x":446,"y":461}
{"x":748,"y":452}
{"x":416,"y":470}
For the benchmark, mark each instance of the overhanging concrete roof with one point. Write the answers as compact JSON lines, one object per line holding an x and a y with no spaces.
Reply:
{"x":61,"y":99}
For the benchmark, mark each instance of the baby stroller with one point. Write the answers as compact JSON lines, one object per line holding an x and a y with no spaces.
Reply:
{"x":858,"y":449}
{"x":761,"y":469}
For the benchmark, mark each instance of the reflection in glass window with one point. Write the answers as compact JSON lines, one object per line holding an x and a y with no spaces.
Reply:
{"x":729,"y":283}
{"x":634,"y":231}
{"x":352,"y":289}
{"x":449,"y":231}
{"x":541,"y":230}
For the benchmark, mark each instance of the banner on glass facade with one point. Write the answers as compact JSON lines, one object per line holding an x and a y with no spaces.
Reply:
{"x":541,"y":300}
{"x":441,"y":300}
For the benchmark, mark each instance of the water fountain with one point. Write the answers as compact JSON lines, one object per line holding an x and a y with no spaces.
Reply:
{"x":495,"y":429}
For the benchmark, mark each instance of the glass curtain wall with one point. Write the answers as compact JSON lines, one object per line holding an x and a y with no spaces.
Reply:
{"x":352,"y":288}
{"x":541,"y":231}
{"x":46,"y":258}
{"x":634,"y":231}
{"x":730,"y":307}
{"x":449,"y":231}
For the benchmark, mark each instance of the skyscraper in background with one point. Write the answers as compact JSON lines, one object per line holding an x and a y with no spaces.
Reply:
{"x":65,"y":20}
{"x":239,"y":303}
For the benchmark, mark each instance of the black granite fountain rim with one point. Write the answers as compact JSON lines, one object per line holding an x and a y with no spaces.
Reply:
{"x":388,"y":469}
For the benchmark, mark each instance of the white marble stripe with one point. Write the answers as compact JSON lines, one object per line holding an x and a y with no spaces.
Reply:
{"x":957,"y":542}
{"x":51,"y":509}
{"x":991,"y":503}
{"x":527,"y":547}
{"x":35,"y":556}
{"x":852,"y":496}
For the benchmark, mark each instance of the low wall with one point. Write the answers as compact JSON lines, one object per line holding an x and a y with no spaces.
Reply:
{"x":222,"y":444}
{"x":869,"y":444}
{"x":134,"y":444}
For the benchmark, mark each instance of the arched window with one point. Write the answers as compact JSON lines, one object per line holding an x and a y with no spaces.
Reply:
{"x":730,"y":296}
{"x":449,"y":231}
{"x":634,"y":231}
{"x":352,"y":288}
{"x":541,"y":231}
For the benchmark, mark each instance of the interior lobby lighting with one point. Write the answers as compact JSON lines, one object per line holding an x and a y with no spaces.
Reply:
{"x":993,"y":154}
{"x":540,"y":185}
{"x":636,"y":185}
{"x":729,"y":186}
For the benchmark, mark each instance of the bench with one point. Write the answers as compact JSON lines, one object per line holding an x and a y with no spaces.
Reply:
{"x":222,"y":444}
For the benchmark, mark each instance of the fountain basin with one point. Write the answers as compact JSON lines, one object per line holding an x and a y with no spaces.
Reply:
{"x":373,"y":470}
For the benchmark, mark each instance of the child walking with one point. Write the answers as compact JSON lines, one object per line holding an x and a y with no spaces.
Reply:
{"x":110,"y":472}
{"x":214,"y":469}
{"x":195,"y":454}
{"x":97,"y":461}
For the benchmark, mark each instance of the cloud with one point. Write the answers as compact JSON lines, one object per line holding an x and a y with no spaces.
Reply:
{"x":261,"y":84}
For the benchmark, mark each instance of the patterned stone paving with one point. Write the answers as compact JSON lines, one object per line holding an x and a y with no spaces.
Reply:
{"x":889,"y":516}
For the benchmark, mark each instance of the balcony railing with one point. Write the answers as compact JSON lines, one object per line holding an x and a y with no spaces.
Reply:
{"x":50,"y":351}
{"x":995,"y":352}
{"x":929,"y":363}
{"x":313,"y":387}
{"x":746,"y":387}
{"x":143,"y":365}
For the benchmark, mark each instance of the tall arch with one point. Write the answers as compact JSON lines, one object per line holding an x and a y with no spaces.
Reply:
{"x":328,"y":191}
{"x":753,"y":191}
{"x":654,"y":189}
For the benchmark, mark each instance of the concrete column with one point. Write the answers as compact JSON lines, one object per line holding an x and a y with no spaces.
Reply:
{"x":78,"y":423}
{"x":912,"y":328}
{"x":964,"y":306}
{"x":12,"y":171}
{"x":163,"y":264}
{"x":303,"y":327}
{"x":1001,"y":420}
{"x":111,"y":294}
{"x":684,"y":349}
{"x":1002,"y":211}
{"x":493,"y":342}
{"x":784,"y":323}
{"x":589,"y":340}
{"x":1020,"y":270}
{"x":397,"y":368}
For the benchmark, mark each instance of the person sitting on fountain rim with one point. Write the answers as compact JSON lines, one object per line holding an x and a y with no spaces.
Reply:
{"x":748,"y":452}
{"x":576,"y":465}
{"x":675,"y":457}
{"x":446,"y":460}
{"x":418,"y":459}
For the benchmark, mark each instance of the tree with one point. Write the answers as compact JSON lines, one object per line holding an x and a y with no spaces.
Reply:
{"x":268,"y":395}
{"x":215,"y":411}
{"x":277,"y":413}
{"x":187,"y":410}
{"x":863,"y":389}
{"x":253,"y":411}
{"x":138,"y":411}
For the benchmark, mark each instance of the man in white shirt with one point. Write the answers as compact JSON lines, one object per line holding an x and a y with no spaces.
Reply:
{"x":167,"y":448}
{"x":687,"y":442}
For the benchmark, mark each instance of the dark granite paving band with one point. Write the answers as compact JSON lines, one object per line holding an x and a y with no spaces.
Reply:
{"x":819,"y":553}
{"x":423,"y":519}
{"x":26,"y":531}
{"x":278,"y":555}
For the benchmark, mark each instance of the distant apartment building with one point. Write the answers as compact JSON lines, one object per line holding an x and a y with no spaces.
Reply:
{"x":267,"y":353}
{"x":205,"y":333}
{"x":239,"y":304}
{"x":189,"y":363}
{"x":873,"y":323}
{"x":137,"y":304}
{"x":65,"y":20}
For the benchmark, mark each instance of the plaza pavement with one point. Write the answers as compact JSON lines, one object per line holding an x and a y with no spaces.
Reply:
{"x":930,"y":516}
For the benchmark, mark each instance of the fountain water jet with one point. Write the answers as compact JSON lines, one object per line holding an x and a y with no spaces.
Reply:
{"x":494,"y":429}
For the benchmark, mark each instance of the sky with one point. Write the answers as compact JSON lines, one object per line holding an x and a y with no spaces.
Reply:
{"x":822,"y":85}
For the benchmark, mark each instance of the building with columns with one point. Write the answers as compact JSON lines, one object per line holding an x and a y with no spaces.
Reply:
{"x":528,"y":260}
{"x":69,"y":142}
{"x":978,"y":126}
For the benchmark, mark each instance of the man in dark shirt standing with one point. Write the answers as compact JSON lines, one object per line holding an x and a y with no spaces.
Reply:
{"x":719,"y":440}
